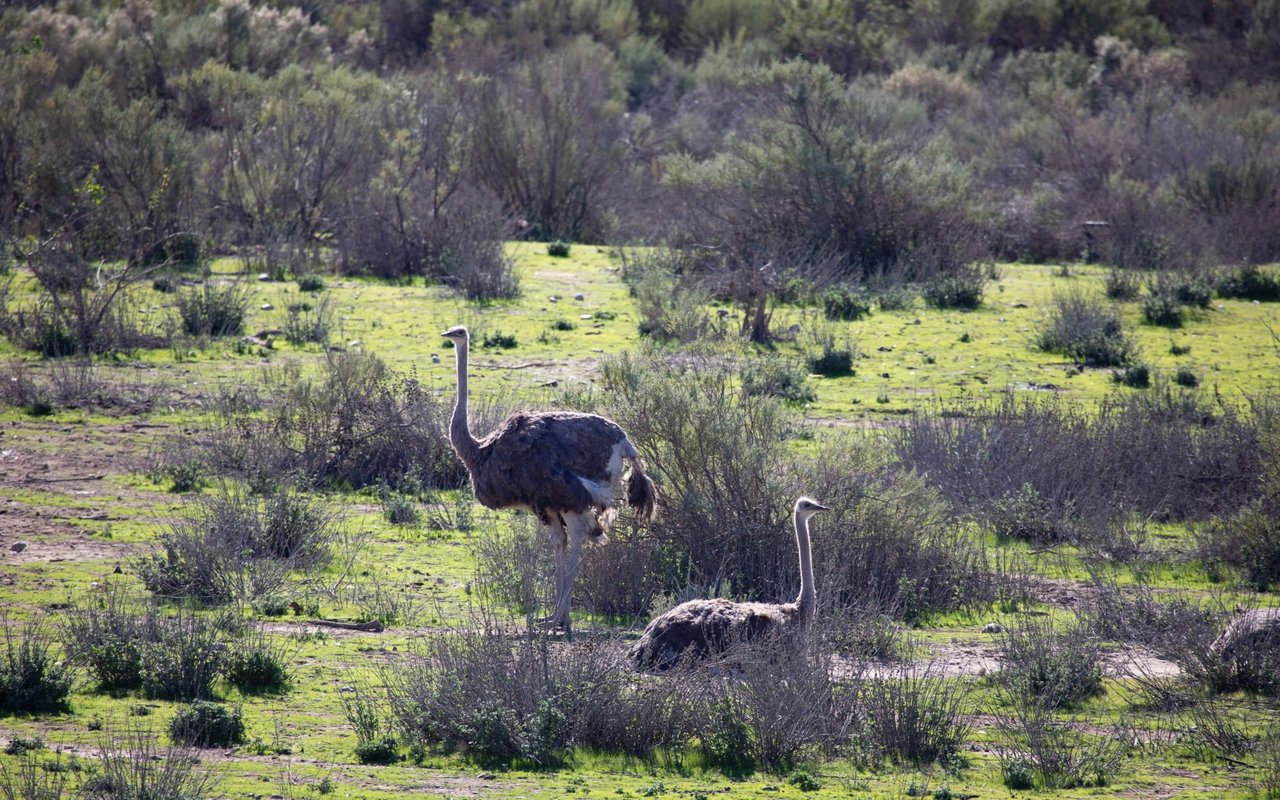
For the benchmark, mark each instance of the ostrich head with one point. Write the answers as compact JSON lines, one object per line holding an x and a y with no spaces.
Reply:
{"x":806,"y":507}
{"x":457,"y":335}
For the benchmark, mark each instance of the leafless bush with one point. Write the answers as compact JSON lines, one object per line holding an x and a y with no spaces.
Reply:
{"x":622,"y":578}
{"x":80,"y":383}
{"x":236,"y":546}
{"x":782,"y":700}
{"x":507,"y":695}
{"x":1269,"y":764}
{"x":1160,"y":456}
{"x":357,"y":424}
{"x":913,"y":717}
{"x":1034,"y":746}
{"x":134,"y":766}
{"x":34,"y":780}
{"x":1213,"y":731}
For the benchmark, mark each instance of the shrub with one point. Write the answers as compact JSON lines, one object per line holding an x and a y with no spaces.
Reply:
{"x":357,"y":424}
{"x":1123,"y":285}
{"x":1084,"y":330}
{"x":558,"y":249}
{"x":205,"y":724}
{"x":399,"y":508}
{"x":32,"y":678}
{"x":846,"y":303}
{"x":235,"y":546}
{"x":36,"y":778}
{"x":213,"y":311}
{"x":500,"y":340}
{"x":310,"y":283}
{"x":108,"y":637}
{"x":833,"y":361}
{"x":1023,"y":514}
{"x":671,"y":305}
{"x":1248,"y":541}
{"x":1033,"y":743}
{"x":1056,"y":670}
{"x":729,"y":481}
{"x":1162,"y":309}
{"x":305,"y":323}
{"x":786,"y":701}
{"x":961,"y":289}
{"x":165,"y":284}
{"x":1192,"y":289}
{"x":1248,"y":282}
{"x":896,"y":298}
{"x":1185,"y":376}
{"x":498,"y":698}
{"x":375,"y":742}
{"x":182,"y":656}
{"x":257,"y":665}
{"x":774,"y":377}
{"x":1135,"y":376}
{"x":138,"y":769}
{"x":914,"y":717}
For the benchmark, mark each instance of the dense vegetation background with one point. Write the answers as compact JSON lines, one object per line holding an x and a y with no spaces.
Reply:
{"x":863,"y":139}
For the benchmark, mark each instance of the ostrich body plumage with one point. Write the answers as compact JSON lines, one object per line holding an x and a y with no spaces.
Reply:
{"x":699,"y":628}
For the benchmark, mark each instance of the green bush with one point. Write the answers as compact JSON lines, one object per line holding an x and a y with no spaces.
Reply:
{"x":1249,"y":283}
{"x":1123,"y":285}
{"x":1137,"y":376}
{"x":206,"y":724}
{"x":310,"y":283}
{"x":833,"y":362}
{"x":256,"y":666}
{"x":1054,"y":670}
{"x":213,"y":311}
{"x":775,"y":377}
{"x":961,"y":289}
{"x":558,"y":249}
{"x":1083,"y":329}
{"x":32,"y":678}
{"x":846,"y":303}
{"x":1186,"y":377}
{"x":500,"y":340}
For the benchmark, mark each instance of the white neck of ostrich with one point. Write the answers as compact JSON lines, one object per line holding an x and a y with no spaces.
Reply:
{"x":808,"y":599}
{"x":464,"y":444}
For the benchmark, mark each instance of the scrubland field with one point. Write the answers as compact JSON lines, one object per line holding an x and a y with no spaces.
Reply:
{"x":995,"y":280}
{"x":1108,"y":531}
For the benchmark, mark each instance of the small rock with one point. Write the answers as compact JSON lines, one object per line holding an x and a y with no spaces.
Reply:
{"x":262,"y":276}
{"x":579,"y":296}
{"x":267,"y":306}
{"x":18,"y":547}
{"x":554,"y":299}
{"x":486,"y":776}
{"x":584,"y":316}
{"x":435,"y":359}
{"x":993,"y":627}
{"x":353,"y":343}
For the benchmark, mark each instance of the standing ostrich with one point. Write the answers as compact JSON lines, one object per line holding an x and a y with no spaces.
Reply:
{"x":710,"y":626}
{"x":565,"y":468}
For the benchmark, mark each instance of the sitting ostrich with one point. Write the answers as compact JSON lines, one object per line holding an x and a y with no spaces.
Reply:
{"x":708,"y":626}
{"x":565,"y":468}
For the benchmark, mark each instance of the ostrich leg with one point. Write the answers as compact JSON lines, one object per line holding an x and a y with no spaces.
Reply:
{"x":578,"y":527}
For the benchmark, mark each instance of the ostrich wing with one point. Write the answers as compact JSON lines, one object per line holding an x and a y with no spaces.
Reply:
{"x":537,"y":460}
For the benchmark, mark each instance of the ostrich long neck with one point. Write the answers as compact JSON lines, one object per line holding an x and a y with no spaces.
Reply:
{"x":464,"y":444}
{"x":808,"y":598}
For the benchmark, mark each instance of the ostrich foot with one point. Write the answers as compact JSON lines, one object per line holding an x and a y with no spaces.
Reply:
{"x":554,"y":624}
